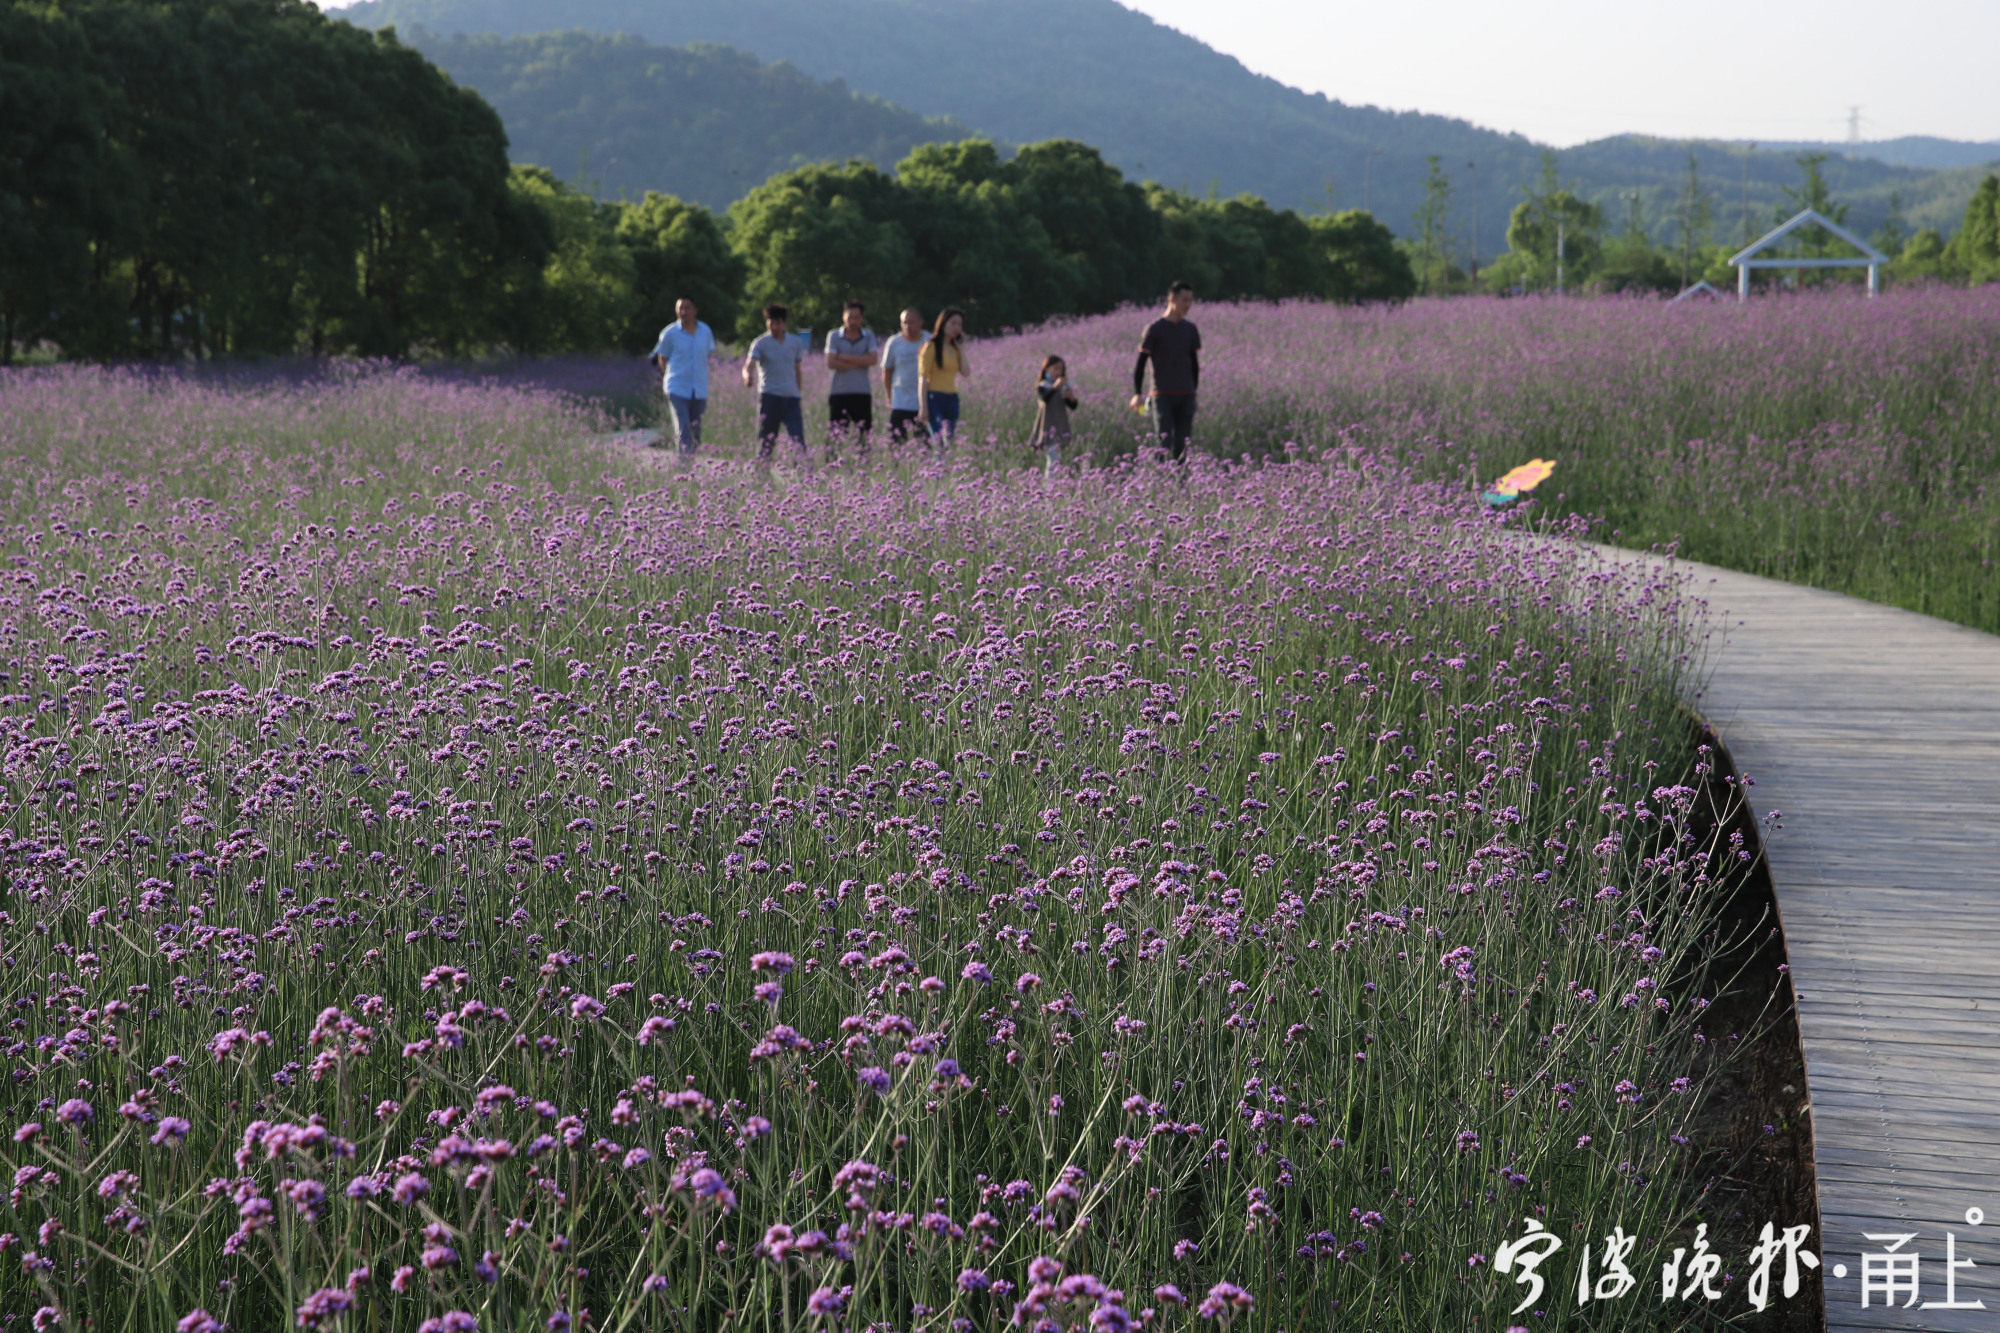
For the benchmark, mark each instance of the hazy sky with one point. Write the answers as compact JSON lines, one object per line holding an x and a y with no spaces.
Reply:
{"x":1562,"y":71}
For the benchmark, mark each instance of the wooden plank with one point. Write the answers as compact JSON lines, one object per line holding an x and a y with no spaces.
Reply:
{"x":1877,"y":733}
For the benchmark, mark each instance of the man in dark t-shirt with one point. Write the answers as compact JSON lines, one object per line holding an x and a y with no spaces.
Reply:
{"x":1173,"y":345}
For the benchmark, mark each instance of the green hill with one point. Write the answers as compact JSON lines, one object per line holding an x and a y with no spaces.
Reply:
{"x":620,"y":116}
{"x":1159,"y":104}
{"x":1911,"y":150}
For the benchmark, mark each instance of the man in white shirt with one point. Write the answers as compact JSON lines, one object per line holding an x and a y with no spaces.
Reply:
{"x":900,"y":381}
{"x":683,"y":352}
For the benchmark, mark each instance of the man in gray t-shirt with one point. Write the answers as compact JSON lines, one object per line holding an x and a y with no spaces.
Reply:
{"x":775,"y":358}
{"x":851,"y":351}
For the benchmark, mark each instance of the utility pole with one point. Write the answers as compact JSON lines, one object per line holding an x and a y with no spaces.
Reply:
{"x":1853,"y":132}
{"x":1559,"y":256}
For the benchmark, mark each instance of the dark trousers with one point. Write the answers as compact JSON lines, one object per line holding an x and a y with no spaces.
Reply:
{"x":900,"y":419}
{"x":849,"y":416}
{"x":779,"y":412}
{"x":1173,"y":421}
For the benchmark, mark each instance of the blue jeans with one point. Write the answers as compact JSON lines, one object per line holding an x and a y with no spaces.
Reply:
{"x":687,"y":421}
{"x":776,"y":412}
{"x":943,"y":409}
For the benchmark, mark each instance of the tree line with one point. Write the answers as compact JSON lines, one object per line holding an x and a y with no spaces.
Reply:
{"x":251,"y":177}
{"x":202,"y":177}
{"x":1558,"y":240}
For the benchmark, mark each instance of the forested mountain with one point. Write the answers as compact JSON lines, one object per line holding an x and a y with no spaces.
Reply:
{"x":1910,"y":150}
{"x":1159,"y":105}
{"x":619,"y":116}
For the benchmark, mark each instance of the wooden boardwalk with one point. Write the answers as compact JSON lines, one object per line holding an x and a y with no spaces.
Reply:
{"x":1875,"y":735}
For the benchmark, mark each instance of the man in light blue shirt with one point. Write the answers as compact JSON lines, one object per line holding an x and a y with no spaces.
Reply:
{"x":683,"y":352}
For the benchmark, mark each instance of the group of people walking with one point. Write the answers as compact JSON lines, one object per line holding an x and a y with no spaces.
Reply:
{"x":919,"y":370}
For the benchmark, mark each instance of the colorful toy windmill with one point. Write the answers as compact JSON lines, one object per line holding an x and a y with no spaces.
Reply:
{"x":1520,"y":481}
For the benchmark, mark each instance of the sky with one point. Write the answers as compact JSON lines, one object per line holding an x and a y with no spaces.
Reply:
{"x":1564,"y":71}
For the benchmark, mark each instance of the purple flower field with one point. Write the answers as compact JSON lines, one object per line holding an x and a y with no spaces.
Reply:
{"x":1821,"y":438}
{"x":459,"y":877}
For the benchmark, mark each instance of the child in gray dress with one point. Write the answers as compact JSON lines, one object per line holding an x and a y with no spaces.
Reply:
{"x":1058,"y":400}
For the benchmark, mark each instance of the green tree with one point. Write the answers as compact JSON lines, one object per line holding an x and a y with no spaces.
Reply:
{"x":1631,"y":264}
{"x":1694,"y":218}
{"x":1095,"y":219}
{"x":1279,"y":256}
{"x":976,"y":241}
{"x":813,"y":237}
{"x":1813,"y":242}
{"x":446,"y":238}
{"x":1557,"y":239}
{"x":64,"y":185}
{"x":1975,"y":251}
{"x":584,"y":297}
{"x":1553,"y":237}
{"x":1894,"y":232}
{"x":1361,"y":260}
{"x":1812,"y":192}
{"x":1428,"y":241}
{"x":1926,"y":255}
{"x":246,"y":177}
{"x":678,"y":249}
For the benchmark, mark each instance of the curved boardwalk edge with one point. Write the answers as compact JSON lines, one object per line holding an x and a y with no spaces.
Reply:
{"x":1872,"y":738}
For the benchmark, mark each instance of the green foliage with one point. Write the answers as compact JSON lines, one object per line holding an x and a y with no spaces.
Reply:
{"x":817,"y":236}
{"x":1811,"y":192}
{"x":1633,"y":266}
{"x":1924,"y":255}
{"x":1361,"y":258}
{"x":1428,"y":240}
{"x":1554,"y":236}
{"x":620,"y":116}
{"x":1975,"y":251}
{"x":61,"y":184}
{"x":586,"y":295}
{"x":1694,"y":218}
{"x":678,"y":249}
{"x":1894,"y":232}
{"x":1812,"y":241}
{"x":974,"y":241}
{"x":1053,"y":230}
{"x":1094,"y":217}
{"x":1234,"y":248}
{"x":243,"y":177}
